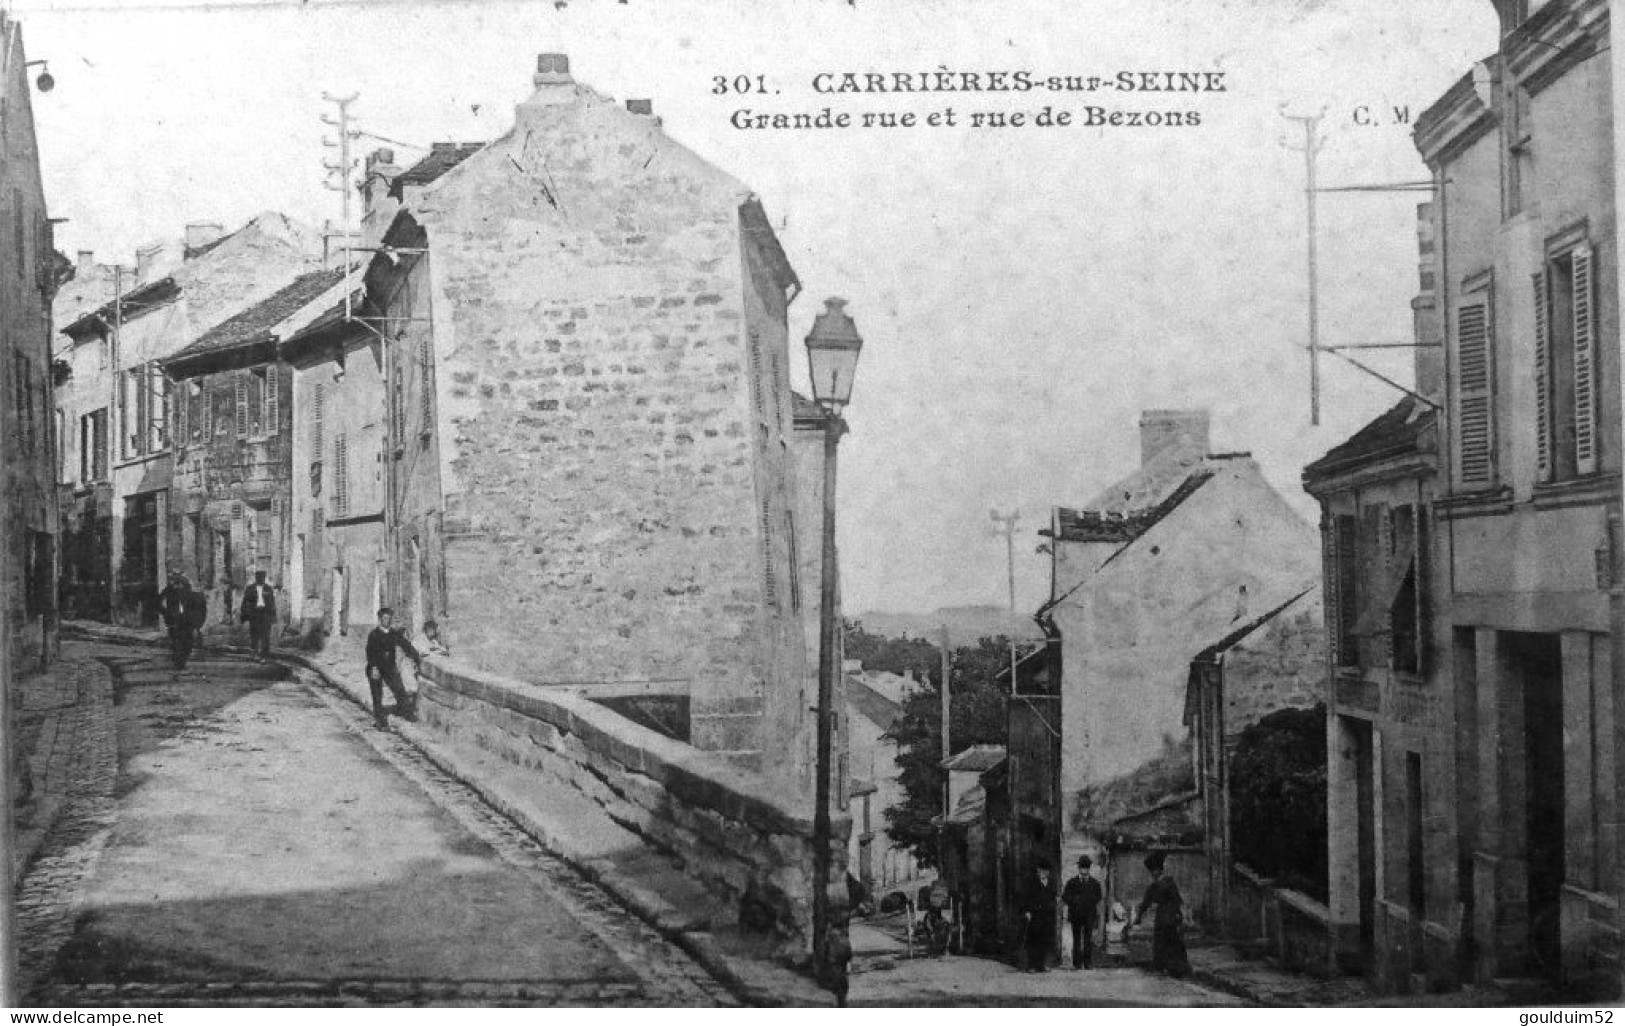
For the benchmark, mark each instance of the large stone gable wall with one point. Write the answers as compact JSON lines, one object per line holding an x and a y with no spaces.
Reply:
{"x":594,"y":425}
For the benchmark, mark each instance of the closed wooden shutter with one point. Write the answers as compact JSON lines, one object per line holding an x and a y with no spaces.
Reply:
{"x":242,"y":406}
{"x":318,"y":400}
{"x":1332,"y":592}
{"x":1424,"y":591}
{"x":1543,"y":381}
{"x":1348,"y":588}
{"x":273,"y":400}
{"x":1476,"y":402}
{"x":1585,"y":365}
{"x":770,"y":581}
{"x":341,"y":476}
{"x":756,"y":375}
{"x":426,"y":388}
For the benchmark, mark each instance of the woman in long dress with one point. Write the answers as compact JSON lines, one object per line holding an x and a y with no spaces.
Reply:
{"x":1167,"y":946}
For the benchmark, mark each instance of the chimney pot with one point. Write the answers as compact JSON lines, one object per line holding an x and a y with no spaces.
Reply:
{"x":382,"y":155}
{"x":86,"y":262}
{"x":644,"y":107}
{"x":552,"y":69}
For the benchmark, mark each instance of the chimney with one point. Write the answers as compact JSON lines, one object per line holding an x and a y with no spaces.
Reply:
{"x":1427,"y":330}
{"x":552,"y":69}
{"x":1183,"y":430}
{"x":200,"y":234}
{"x":553,"y":86}
{"x":86,"y":264}
{"x":145,"y":257}
{"x":378,"y":207}
{"x":644,"y":107}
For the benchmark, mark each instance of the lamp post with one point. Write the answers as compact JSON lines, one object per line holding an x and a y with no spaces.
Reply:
{"x":832,"y":357}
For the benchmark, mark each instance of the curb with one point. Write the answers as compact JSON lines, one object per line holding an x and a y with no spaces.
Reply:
{"x":642,"y":902}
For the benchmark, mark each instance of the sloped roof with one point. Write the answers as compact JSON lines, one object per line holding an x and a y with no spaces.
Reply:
{"x":1125,"y":526}
{"x":975,"y":759}
{"x":871,"y":704}
{"x":132,"y":305}
{"x":443,"y":156}
{"x":253,"y":325}
{"x":1396,"y":432}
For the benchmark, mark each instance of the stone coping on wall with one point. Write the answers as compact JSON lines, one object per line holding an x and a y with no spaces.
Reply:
{"x":688,"y":774}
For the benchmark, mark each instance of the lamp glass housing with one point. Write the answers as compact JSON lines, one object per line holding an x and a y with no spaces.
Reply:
{"x":832,"y":364}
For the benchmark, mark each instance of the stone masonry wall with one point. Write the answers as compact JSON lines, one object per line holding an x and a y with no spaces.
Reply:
{"x":614,"y":502}
{"x":729,"y":833}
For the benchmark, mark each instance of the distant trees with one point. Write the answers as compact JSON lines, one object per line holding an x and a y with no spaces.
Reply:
{"x":1278,"y":798}
{"x":976,"y":717}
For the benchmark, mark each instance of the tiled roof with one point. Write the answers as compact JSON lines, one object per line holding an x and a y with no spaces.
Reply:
{"x":1083,"y":525}
{"x":442,"y":158}
{"x":255,"y":323}
{"x":874,"y":707}
{"x":133,"y":304}
{"x":1396,"y":432}
{"x":975,"y":759}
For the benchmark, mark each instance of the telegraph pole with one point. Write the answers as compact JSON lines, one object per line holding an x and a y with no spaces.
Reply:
{"x":1312,"y":142}
{"x":1007,"y":526}
{"x":339,"y":173}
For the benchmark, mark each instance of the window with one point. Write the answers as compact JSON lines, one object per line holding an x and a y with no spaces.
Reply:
{"x":1339,"y":538}
{"x":197,"y":412}
{"x":341,"y":476}
{"x":144,"y":411}
{"x":770,"y":582}
{"x":795,"y":562}
{"x":1408,"y":621}
{"x":22,"y":380}
{"x":256,"y":389}
{"x":93,"y":446}
{"x":1475,"y":390}
{"x":1416,"y":876}
{"x":1566,"y":436}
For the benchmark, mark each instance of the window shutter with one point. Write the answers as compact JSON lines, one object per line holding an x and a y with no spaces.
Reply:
{"x":1585,"y":366}
{"x":1543,"y":381}
{"x":183,"y":417}
{"x":1424,"y":592}
{"x":769,"y":579}
{"x":756,"y":374}
{"x":242,"y":406}
{"x":341,"y":476}
{"x":273,"y":400}
{"x":1475,"y":405}
{"x":318,"y":399}
{"x":426,"y":384}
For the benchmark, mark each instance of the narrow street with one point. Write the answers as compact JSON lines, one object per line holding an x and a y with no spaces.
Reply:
{"x":261,"y":843}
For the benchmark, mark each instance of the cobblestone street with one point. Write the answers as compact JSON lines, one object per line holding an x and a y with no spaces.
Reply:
{"x":230,"y":836}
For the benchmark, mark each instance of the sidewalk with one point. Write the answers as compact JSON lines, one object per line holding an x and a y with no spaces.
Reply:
{"x":568,"y":826}
{"x":67,"y":733}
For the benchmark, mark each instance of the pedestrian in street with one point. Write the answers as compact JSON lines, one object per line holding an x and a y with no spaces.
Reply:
{"x":1038,"y":915}
{"x":1081,"y":896}
{"x":259,"y":612}
{"x":382,"y":669}
{"x":1167,"y":944}
{"x":173,"y":607}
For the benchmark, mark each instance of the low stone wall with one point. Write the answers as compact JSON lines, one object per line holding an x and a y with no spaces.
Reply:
{"x":725,"y":830}
{"x":1290,"y":927}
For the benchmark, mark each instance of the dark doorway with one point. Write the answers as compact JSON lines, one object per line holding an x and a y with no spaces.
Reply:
{"x":1537,"y":664}
{"x":1366,"y":832}
{"x":139,"y":575}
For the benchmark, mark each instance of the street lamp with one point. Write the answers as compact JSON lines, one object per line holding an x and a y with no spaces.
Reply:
{"x":832,"y":357}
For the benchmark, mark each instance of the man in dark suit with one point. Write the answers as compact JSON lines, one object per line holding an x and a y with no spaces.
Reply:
{"x":173,"y":607}
{"x":382,"y":669}
{"x":1038,"y":912}
{"x":259,"y":612}
{"x":1082,"y":896}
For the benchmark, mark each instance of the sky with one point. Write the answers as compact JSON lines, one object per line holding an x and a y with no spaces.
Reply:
{"x":1023,"y":292}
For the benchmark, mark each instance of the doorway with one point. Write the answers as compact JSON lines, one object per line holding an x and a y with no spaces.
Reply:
{"x":1536,"y":665}
{"x":1365,"y":811}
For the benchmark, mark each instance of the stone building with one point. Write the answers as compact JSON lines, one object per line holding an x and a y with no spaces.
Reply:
{"x":28,"y":280}
{"x":1514,"y":731}
{"x":232,"y":487}
{"x":115,"y":407}
{"x":589,"y":426}
{"x":1145,"y":578}
{"x":873,"y":780}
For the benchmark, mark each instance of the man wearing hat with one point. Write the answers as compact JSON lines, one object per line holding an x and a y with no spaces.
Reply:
{"x":1082,"y":896}
{"x":1038,"y":914}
